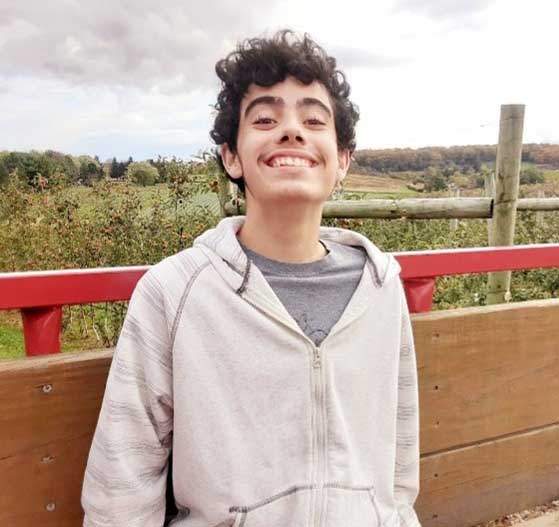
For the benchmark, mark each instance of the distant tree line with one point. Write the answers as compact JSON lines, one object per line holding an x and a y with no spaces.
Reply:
{"x":461,"y":158}
{"x":440,"y":167}
{"x":36,"y":168}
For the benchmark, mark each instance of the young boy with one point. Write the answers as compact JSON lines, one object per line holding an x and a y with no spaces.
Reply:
{"x":275,"y":356}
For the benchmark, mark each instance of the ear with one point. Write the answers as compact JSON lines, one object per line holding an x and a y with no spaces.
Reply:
{"x":231,"y":162}
{"x":344,"y":159}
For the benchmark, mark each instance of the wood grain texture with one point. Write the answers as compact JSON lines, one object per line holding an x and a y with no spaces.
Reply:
{"x":467,"y":486}
{"x":45,"y":435}
{"x":486,"y":372}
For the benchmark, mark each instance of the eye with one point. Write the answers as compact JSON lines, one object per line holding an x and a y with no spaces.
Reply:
{"x":264,"y":120}
{"x":315,"y":121}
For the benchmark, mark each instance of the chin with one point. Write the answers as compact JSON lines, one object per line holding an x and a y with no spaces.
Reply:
{"x":298,"y":194}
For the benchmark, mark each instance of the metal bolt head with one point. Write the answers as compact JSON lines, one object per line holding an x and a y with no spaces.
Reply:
{"x":50,"y":506}
{"x":47,"y":388}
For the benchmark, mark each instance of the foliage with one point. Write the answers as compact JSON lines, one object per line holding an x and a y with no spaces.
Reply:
{"x":36,"y":167}
{"x":90,"y":169}
{"x":142,"y":173}
{"x":434,"y":180}
{"x":117,"y":169}
{"x":113,"y":223}
{"x":58,"y":225}
{"x":462,"y":157}
{"x":530,"y":175}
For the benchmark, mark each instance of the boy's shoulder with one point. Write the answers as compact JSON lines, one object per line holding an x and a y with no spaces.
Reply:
{"x":174,"y":273}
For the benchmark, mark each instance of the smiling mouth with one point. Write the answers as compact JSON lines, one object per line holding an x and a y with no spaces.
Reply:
{"x":288,"y":161}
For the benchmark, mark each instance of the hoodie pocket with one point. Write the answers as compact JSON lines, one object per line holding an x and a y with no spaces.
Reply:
{"x":352,"y":506}
{"x":287,"y":508}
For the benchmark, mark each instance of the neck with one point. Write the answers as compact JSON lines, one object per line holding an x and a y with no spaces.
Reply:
{"x":287,"y":234}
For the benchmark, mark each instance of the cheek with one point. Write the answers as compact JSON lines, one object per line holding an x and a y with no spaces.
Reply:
{"x":250,"y":148}
{"x":330,"y":147}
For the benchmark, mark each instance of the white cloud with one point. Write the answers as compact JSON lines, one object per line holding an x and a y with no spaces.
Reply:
{"x":135,"y":78}
{"x":169,"y":46}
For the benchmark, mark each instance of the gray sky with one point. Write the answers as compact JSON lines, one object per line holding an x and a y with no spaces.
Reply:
{"x":136,"y":77}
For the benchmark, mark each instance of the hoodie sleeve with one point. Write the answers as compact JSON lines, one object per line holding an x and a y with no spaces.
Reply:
{"x":406,"y":474}
{"x":125,"y":477}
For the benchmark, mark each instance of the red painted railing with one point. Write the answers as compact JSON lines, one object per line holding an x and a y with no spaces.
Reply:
{"x":40,"y":295}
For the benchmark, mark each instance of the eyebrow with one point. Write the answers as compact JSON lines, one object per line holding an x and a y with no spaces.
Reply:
{"x":278,"y":101}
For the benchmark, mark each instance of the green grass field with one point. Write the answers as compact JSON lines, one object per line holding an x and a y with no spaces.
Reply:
{"x":11,"y":342}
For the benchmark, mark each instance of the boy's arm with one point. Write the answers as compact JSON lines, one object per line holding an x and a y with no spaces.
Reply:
{"x":406,"y":475}
{"x":125,"y":478}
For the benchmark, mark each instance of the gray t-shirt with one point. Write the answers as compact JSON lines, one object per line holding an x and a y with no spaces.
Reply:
{"x":315,"y":294}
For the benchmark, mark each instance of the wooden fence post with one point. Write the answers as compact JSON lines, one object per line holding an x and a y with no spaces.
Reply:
{"x":539,"y":213}
{"x":489,"y":183}
{"x":454,"y":222}
{"x":507,"y":177}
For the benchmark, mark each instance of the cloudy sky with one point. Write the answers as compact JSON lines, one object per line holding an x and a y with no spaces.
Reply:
{"x":136,"y":77}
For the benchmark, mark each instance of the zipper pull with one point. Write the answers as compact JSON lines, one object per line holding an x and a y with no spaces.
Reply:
{"x":316,"y":361}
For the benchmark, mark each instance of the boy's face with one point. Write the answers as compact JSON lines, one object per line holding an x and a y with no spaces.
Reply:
{"x":286,"y":144}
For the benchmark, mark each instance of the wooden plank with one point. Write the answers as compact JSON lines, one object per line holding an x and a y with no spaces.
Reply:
{"x":45,"y":435}
{"x":45,"y":483}
{"x":486,"y":372}
{"x":475,"y":484}
{"x":30,"y":407}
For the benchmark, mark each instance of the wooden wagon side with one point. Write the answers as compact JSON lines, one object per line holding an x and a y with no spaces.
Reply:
{"x":488,"y":389}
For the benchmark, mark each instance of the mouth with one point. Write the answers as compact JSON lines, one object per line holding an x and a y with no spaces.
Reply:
{"x":290,"y":161}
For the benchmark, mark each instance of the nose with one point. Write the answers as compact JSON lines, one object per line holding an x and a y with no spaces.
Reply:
{"x":292,"y":136}
{"x":291,"y":132}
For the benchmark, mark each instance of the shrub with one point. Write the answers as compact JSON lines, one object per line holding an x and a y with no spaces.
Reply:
{"x":142,"y":173}
{"x":530,"y":175}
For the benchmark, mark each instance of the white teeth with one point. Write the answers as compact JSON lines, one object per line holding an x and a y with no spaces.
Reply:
{"x":290,"y":161}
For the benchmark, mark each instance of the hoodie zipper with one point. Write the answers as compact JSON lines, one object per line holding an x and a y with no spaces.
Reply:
{"x":320,"y":435}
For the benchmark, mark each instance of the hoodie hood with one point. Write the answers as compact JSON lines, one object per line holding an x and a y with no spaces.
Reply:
{"x":222,"y":247}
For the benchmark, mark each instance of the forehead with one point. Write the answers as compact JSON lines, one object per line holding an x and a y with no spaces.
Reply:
{"x":290,"y":90}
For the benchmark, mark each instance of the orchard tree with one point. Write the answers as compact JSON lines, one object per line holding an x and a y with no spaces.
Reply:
{"x":142,"y":173}
{"x":434,"y":180}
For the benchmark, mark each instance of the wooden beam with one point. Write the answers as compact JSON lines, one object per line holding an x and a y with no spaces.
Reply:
{"x":507,"y":178}
{"x":413,"y":208}
{"x":538,"y":204}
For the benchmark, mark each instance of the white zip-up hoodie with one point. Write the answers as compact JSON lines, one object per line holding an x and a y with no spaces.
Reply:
{"x":267,"y":429}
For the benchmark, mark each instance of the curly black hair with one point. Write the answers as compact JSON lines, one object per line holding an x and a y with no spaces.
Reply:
{"x":267,"y":61}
